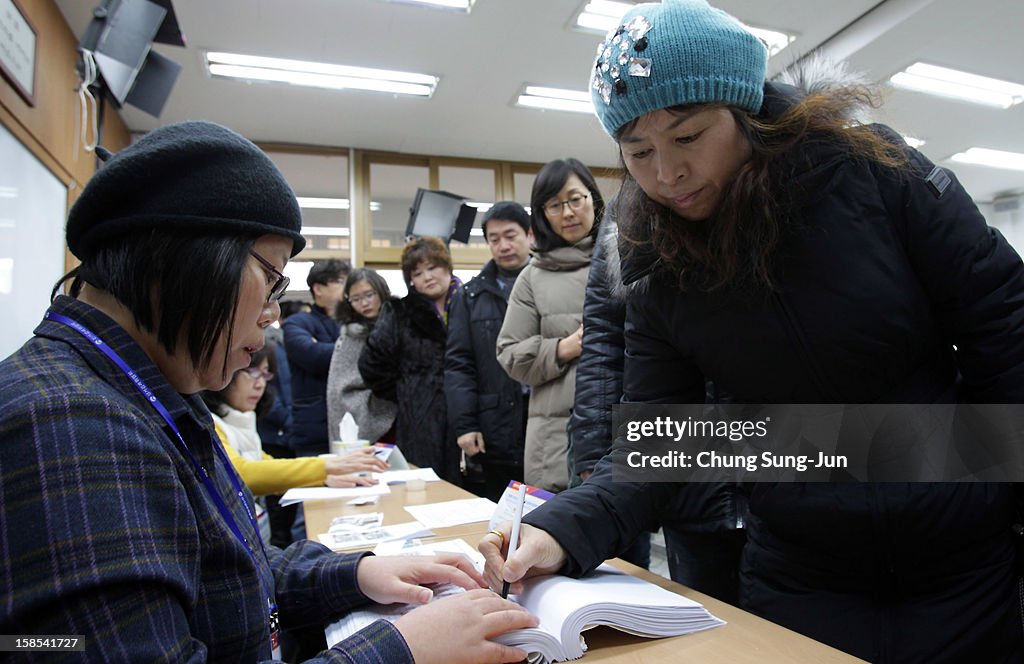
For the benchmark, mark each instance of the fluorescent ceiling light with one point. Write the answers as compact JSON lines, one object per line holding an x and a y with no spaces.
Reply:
{"x":459,"y":5}
{"x":556,"y":99}
{"x":319,"y":74}
{"x":329,"y":231}
{"x":480,"y":207}
{"x":922,"y":77}
{"x":604,"y":15}
{"x":317,"y":203}
{"x":773,"y":39}
{"x":323,"y":203}
{"x":913,"y":142}
{"x":1013,"y":161}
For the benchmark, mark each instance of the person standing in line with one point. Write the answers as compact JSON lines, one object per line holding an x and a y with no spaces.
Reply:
{"x":795,"y":254}
{"x":403,"y":360}
{"x":122,"y":520}
{"x":309,"y":341}
{"x":487,"y":408}
{"x":366,"y":292}
{"x":541,"y":337}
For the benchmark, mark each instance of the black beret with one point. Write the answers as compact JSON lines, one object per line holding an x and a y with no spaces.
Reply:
{"x":190,"y":175}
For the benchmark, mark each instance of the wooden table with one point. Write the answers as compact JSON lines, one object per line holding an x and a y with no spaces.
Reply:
{"x":745,"y":638}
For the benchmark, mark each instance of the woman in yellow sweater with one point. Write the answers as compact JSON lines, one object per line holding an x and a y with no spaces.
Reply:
{"x":234,"y":412}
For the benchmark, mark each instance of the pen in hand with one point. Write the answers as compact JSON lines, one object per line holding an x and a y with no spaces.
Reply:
{"x":517,"y":522}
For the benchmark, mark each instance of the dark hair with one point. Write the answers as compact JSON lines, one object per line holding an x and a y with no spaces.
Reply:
{"x":424,"y":249}
{"x":290,"y":307}
{"x":736,"y":246}
{"x":217,"y":402}
{"x":344,"y":312}
{"x":175,"y":269}
{"x":324,"y":272}
{"x":507,"y":211}
{"x":550,"y":180}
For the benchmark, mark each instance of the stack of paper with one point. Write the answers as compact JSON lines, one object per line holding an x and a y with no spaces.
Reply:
{"x":567,"y":607}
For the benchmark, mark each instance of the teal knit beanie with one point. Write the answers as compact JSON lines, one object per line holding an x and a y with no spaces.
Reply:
{"x":674,"y":53}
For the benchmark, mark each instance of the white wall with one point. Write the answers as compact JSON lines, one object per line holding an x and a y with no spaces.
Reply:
{"x":33,"y":205}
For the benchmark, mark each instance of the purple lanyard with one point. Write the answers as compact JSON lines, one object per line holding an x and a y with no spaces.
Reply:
{"x":211,"y":488}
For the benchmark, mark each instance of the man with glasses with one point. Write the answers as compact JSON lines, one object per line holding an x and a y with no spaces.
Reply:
{"x":309,"y":341}
{"x":485,"y":406}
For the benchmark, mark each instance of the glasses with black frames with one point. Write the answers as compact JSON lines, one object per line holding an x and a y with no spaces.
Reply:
{"x":557,"y":209}
{"x":280,"y":286}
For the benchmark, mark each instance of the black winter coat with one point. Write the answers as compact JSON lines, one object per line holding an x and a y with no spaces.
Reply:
{"x":480,"y":395}
{"x":403,"y":362}
{"x":599,"y":374}
{"x":309,"y":341}
{"x":709,"y":507}
{"x":877,"y":280}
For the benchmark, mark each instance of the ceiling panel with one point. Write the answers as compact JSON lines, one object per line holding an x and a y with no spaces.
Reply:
{"x":484,"y":58}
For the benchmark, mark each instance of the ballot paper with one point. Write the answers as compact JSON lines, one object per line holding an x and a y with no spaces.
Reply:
{"x":452,"y":512}
{"x":403,"y":476}
{"x":507,"y":503}
{"x":292,"y":496}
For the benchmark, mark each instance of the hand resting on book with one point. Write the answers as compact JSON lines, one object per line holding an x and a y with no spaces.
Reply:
{"x":538,"y":553}
{"x":467,"y":620}
{"x":459,"y":628}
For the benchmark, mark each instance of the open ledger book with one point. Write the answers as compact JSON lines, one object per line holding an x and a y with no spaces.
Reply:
{"x":567,"y":607}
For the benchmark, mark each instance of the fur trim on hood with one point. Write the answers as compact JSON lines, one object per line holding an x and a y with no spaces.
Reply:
{"x":816,"y":72}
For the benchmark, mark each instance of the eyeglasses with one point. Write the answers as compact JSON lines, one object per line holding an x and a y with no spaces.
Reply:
{"x":575,"y":202}
{"x":365,"y":297}
{"x":280,"y":286}
{"x":256,"y":373}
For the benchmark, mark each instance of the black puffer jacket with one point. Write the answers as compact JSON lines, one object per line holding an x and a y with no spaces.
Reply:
{"x":710,"y":507}
{"x":403,"y":362}
{"x":480,"y":395}
{"x":885,"y":293}
{"x":599,"y":374}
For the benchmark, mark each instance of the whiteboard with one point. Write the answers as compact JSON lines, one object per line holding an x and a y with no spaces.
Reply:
{"x":33,"y":205}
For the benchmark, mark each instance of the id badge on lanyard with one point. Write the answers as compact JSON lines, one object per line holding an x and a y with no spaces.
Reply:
{"x":275,"y":630}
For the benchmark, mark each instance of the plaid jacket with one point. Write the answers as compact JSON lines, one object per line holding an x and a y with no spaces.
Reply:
{"x":107,"y":532}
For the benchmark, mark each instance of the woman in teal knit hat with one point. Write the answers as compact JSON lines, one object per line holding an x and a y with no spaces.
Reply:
{"x":790,"y":253}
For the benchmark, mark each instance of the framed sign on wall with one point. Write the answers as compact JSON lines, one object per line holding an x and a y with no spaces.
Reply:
{"x":18,"y":50}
